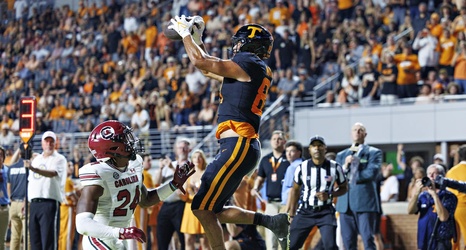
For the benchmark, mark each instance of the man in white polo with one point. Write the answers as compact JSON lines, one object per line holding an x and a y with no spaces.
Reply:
{"x":47,"y":177}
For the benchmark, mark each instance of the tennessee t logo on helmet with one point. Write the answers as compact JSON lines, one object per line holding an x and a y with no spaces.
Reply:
{"x":253,"y":32}
{"x":253,"y":38}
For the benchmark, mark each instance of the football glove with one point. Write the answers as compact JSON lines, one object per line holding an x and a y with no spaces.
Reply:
{"x":198,"y":29}
{"x":182,"y":174}
{"x":132,"y":233}
{"x":182,"y":26}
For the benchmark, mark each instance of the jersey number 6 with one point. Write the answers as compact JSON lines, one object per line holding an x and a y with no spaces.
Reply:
{"x":259,"y":102}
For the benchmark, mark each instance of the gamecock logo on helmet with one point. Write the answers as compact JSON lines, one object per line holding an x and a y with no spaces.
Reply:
{"x":107,"y":133}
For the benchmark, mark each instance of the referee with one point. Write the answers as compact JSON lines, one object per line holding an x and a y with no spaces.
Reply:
{"x":322,"y":179}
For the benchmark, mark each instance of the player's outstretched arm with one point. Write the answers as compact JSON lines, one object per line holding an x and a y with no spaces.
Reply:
{"x":154,"y":196}
{"x":200,"y":59}
{"x":151,"y":197}
{"x":86,"y":225}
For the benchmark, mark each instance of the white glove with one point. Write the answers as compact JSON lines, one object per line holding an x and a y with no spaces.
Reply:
{"x":198,"y":29}
{"x":181,"y":26}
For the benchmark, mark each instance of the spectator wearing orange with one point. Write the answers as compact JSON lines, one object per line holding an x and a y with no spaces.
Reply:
{"x":447,"y":51}
{"x":82,"y":10}
{"x":130,"y":43}
{"x":408,"y":66}
{"x":303,"y":24}
{"x":108,"y":65}
{"x":92,"y":10}
{"x":435,"y":26}
{"x":58,"y":111}
{"x":89,"y":85}
{"x":117,"y":91}
{"x":459,"y":64}
{"x":162,"y":42}
{"x":387,"y":16}
{"x":183,"y":104}
{"x":315,"y":11}
{"x":345,"y":9}
{"x":376,"y":47}
{"x":103,"y":9}
{"x":70,"y":112}
{"x":150,"y":37}
{"x":169,"y":73}
{"x":278,"y":13}
{"x":437,"y":91}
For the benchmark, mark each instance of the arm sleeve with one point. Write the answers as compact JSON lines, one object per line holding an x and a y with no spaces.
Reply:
{"x":86,"y":225}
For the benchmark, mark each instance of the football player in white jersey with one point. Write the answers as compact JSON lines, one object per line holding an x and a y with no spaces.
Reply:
{"x":113,"y":187}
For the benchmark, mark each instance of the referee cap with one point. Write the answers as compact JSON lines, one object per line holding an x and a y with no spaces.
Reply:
{"x":317,"y":138}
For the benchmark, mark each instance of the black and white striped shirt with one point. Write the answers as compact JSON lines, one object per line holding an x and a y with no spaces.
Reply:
{"x":314,"y":180}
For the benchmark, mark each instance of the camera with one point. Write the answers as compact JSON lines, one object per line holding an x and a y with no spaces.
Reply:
{"x":443,"y":182}
{"x":427,"y":182}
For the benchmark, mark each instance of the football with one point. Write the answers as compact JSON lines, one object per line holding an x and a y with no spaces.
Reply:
{"x":171,"y":34}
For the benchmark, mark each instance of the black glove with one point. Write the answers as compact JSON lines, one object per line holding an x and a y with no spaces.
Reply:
{"x":182,"y":174}
{"x":26,"y":151}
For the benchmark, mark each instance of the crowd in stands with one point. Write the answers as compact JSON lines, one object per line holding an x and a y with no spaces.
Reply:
{"x":103,"y":60}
